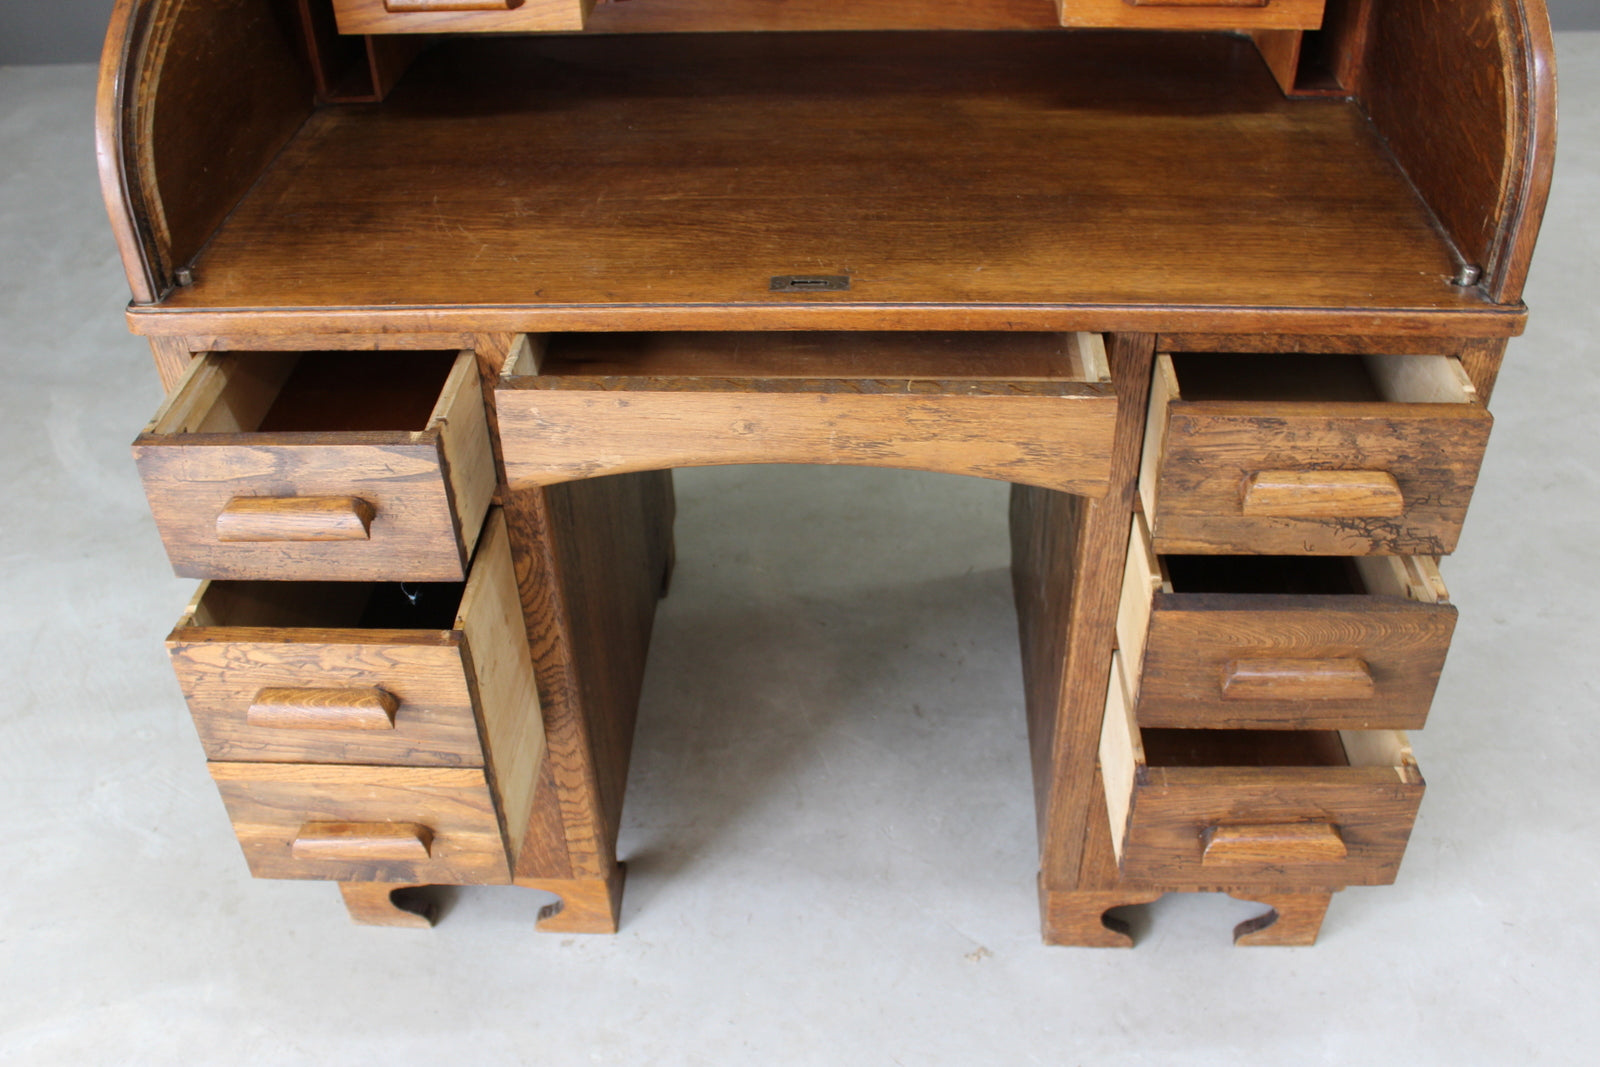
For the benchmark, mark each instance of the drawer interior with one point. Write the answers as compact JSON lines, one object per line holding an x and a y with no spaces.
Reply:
{"x":822,"y":354}
{"x":330,"y":605}
{"x":1168,"y":747}
{"x":1274,"y":377}
{"x":309,"y":392}
{"x":1409,"y":577}
{"x":1304,"y":575}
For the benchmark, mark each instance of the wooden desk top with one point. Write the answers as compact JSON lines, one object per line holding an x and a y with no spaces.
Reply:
{"x":969,"y":180}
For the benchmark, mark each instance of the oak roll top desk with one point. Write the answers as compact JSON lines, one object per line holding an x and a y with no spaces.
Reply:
{"x":441,"y":290}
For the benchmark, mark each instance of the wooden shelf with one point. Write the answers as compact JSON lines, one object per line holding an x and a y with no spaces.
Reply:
{"x":1002,"y":180}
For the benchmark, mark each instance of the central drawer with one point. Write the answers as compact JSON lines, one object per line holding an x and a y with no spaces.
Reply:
{"x":1031,"y":408}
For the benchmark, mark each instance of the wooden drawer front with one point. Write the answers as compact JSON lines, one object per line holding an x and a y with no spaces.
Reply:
{"x":365,"y":824}
{"x":1035,"y":409}
{"x":234,"y":496}
{"x":1193,"y":14}
{"x":1303,"y":810}
{"x":1314,"y":477}
{"x":460,"y":16}
{"x":1366,"y":657}
{"x":244,"y":695}
{"x":351,"y":673}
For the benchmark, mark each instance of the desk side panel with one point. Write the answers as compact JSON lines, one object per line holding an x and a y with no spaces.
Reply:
{"x":1464,"y":92}
{"x":195,"y":100}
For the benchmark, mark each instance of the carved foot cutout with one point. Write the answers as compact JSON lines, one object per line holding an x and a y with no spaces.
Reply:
{"x":384,"y":904}
{"x":1292,"y":918}
{"x":1084,"y":918}
{"x":587,"y":905}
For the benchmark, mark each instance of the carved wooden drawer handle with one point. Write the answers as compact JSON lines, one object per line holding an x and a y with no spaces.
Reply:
{"x":1323,"y":494}
{"x":295,"y":518}
{"x":324,"y":709}
{"x":1296,"y":679}
{"x":1292,"y":842}
{"x":1197,"y":3}
{"x":361,"y":841}
{"x":398,"y":6}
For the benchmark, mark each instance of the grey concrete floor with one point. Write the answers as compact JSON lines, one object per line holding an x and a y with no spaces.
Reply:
{"x":828,"y":824}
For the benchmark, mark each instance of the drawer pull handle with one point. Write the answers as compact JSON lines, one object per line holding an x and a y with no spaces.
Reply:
{"x":295,"y":518}
{"x":1197,"y":3}
{"x":324,"y":709}
{"x":1292,"y":842}
{"x":362,"y":841}
{"x":400,"y":6}
{"x":1296,"y":679}
{"x":1323,"y":494}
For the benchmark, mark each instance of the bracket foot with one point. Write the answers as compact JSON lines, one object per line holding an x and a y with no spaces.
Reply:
{"x":587,"y":905}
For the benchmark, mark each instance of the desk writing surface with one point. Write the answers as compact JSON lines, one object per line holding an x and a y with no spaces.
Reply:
{"x":933,"y":169}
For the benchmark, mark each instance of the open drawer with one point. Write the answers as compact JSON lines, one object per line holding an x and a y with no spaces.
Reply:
{"x":1203,"y":809}
{"x":1310,"y":455}
{"x":1282,"y":642}
{"x":1033,"y":408}
{"x":320,"y":466}
{"x":354,"y":672}
{"x":1193,"y":14}
{"x":460,"y":16}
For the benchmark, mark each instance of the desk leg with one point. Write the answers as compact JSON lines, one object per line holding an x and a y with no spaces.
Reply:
{"x":592,"y":560}
{"x":1066,"y":563}
{"x":1078,"y":916}
{"x":587,"y":905}
{"x":387,"y":904}
{"x":1292,"y":918}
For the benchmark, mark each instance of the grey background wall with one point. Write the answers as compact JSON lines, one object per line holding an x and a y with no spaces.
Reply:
{"x":69,"y":31}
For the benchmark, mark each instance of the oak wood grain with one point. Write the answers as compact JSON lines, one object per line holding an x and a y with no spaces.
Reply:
{"x":1367,"y":658}
{"x":1297,"y":678}
{"x":1205,"y":451}
{"x":690,"y":170}
{"x":225,"y":670}
{"x":1464,"y":93}
{"x":202,"y":457}
{"x":271,"y":803}
{"x":658,"y":410}
{"x":362,"y":842}
{"x":1232,"y":843}
{"x":491,"y":623}
{"x":172,"y":356}
{"x":744,"y":16}
{"x":386,"y":904}
{"x":591,"y":557}
{"x":1192,"y":14}
{"x":1163,"y":803}
{"x":295,"y":518}
{"x":323,"y":708}
{"x":1283,"y":344}
{"x":179,"y":145}
{"x":1067,"y":556}
{"x":460,"y":16}
{"x":586,"y":905}
{"x":1294,"y":919}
